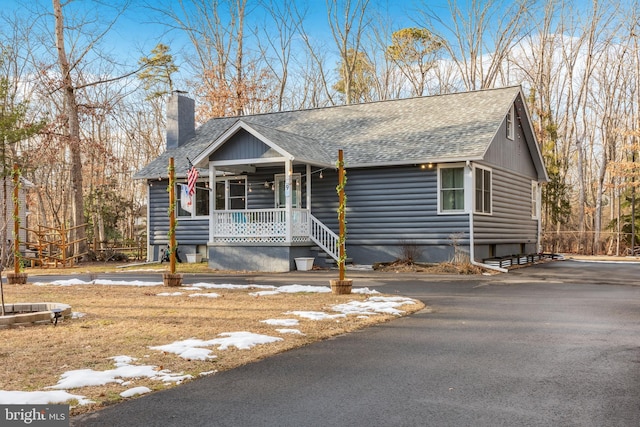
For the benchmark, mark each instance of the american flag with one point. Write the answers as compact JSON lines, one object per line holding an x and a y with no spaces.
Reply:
{"x":192,"y":177}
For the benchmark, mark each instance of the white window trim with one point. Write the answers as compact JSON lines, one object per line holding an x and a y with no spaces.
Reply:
{"x":281,"y":178}
{"x":465,"y":189}
{"x":475,"y":211}
{"x":227,"y":198}
{"x":511,"y":123}
{"x":201,"y":183}
{"x":536,"y":199}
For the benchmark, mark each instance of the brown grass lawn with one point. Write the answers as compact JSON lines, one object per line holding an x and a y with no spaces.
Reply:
{"x":127,"y":320}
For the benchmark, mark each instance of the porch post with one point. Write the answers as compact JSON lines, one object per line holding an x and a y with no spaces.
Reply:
{"x":288,"y":171}
{"x":309,"y":188}
{"x":212,"y":200}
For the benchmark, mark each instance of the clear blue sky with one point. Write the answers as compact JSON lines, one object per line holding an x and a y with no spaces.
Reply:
{"x":138,"y":30}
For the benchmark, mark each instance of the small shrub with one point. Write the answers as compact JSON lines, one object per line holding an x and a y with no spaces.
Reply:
{"x":459,"y":255}
{"x":410,"y":252}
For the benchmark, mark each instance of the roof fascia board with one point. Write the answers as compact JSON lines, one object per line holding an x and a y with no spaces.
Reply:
{"x":530,"y":136}
{"x":248,"y":161}
{"x":534,"y":147}
{"x":413,"y":162}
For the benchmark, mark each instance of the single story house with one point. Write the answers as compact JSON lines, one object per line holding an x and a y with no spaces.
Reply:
{"x":440,"y":173}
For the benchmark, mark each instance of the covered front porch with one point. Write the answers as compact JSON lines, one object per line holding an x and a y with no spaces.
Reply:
{"x":260,"y":206}
{"x":266,"y":239}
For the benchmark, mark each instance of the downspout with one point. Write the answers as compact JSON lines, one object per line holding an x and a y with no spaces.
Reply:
{"x":472,"y":251}
{"x":539,"y":216}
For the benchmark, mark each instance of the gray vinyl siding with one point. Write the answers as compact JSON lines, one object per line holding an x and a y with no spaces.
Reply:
{"x":511,"y":154}
{"x":510,"y":223}
{"x":262,"y":197}
{"x":510,"y":228}
{"x":243,"y":145}
{"x":387,"y":206}
{"x":188,"y":231}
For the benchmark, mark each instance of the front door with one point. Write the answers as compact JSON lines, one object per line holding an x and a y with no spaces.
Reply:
{"x":281,"y":195}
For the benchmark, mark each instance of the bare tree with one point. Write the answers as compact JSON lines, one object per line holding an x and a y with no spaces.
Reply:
{"x":286,"y":19}
{"x":479,"y":36}
{"x":348,"y":21}
{"x":72,"y":130}
{"x":229,"y":81}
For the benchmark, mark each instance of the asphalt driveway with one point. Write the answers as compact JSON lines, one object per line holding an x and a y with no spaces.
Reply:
{"x":542,"y":346}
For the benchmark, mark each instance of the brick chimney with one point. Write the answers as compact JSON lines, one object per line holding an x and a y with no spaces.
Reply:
{"x":181,"y":124}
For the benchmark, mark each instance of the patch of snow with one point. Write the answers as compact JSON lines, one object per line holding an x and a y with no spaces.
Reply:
{"x":281,"y":322}
{"x":292,"y":289}
{"x":191,"y":349}
{"x":70,"y":282}
{"x":374,"y":305}
{"x":122,"y":360}
{"x":315,"y":315}
{"x":39,"y":397}
{"x":194,"y":348}
{"x":89,"y":377}
{"x":206,"y":295}
{"x":135,"y":391}
{"x":263,"y":293}
{"x":242,"y":340}
{"x":365,"y":291}
{"x":169,"y":294}
{"x":289,"y":331}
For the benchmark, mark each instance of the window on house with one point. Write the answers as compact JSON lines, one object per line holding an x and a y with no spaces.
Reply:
{"x":483,"y":190}
{"x":510,"y":123}
{"x":451,"y":189}
{"x":200,"y":200}
{"x":281,"y":200}
{"x":535,"y":194}
{"x":231,"y":193}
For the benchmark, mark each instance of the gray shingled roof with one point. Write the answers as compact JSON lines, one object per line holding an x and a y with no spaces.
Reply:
{"x":416,"y":130}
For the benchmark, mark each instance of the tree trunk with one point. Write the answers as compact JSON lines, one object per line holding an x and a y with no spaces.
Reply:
{"x":73,"y":134}
{"x":597,"y":222}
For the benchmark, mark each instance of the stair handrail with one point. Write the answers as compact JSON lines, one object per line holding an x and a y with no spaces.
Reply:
{"x":322,"y":236}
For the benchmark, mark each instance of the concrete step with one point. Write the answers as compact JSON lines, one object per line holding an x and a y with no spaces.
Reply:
{"x":332,"y":261}
{"x":322,"y":256}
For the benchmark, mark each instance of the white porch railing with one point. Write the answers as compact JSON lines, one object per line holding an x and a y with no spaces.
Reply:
{"x":270,"y":226}
{"x":261,"y":225}
{"x":326,"y":239}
